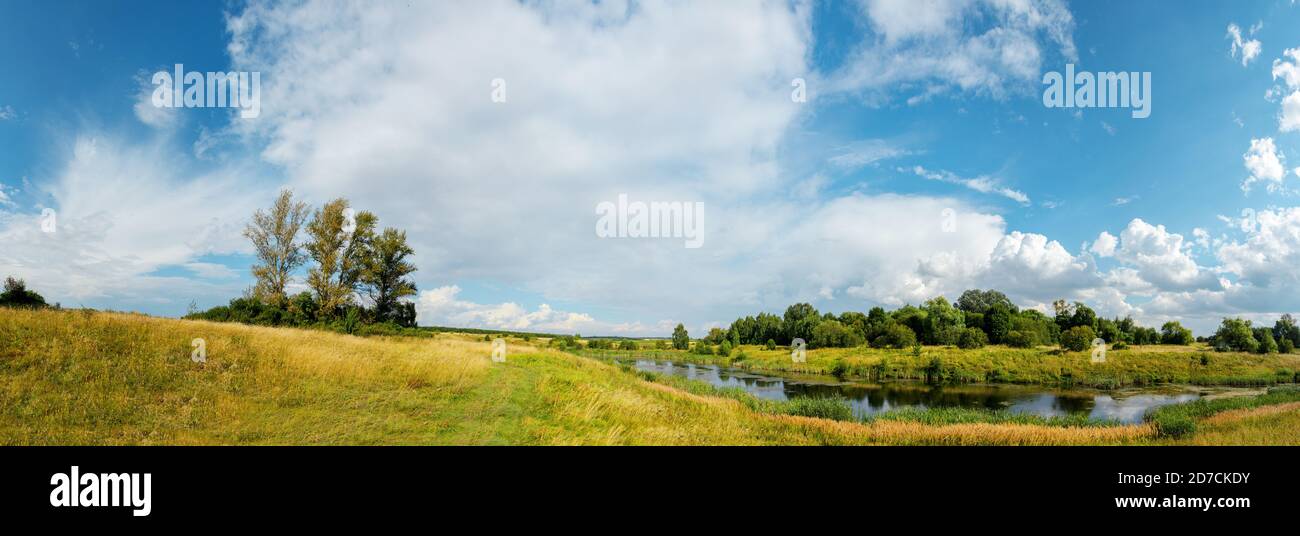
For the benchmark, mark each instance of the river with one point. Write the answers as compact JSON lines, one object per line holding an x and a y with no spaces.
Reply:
{"x":1126,"y":405}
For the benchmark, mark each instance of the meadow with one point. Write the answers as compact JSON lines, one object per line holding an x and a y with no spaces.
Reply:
{"x":94,"y":378}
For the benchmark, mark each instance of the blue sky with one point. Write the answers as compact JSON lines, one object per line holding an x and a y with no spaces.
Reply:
{"x":834,"y":200}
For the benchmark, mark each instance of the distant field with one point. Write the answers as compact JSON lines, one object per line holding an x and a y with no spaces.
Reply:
{"x":1137,"y":365}
{"x":73,"y":377}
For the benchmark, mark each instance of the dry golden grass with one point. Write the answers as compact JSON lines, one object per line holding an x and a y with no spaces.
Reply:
{"x":1269,"y":425}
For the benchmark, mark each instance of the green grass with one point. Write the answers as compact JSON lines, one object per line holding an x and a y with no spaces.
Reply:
{"x":942,"y":416}
{"x":1180,"y":420}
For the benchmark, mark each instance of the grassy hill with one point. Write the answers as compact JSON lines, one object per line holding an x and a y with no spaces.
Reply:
{"x":75,"y":377}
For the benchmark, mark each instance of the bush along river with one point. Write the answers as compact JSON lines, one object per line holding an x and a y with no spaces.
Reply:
{"x":1124,"y":405}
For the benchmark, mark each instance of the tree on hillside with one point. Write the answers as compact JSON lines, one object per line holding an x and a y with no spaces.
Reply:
{"x":339,"y":254}
{"x":681,"y":339}
{"x":274,"y":234}
{"x":1235,"y":334}
{"x":16,"y":295}
{"x":1286,"y":329}
{"x":1174,"y":333}
{"x":384,"y":275}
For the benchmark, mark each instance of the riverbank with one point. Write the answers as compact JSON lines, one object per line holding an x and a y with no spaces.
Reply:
{"x":1134,"y":366}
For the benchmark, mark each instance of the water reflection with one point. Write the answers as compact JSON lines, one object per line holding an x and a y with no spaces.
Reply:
{"x":869,"y":398}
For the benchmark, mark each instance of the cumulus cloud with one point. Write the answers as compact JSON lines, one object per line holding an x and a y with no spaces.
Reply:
{"x":1105,"y":244}
{"x":1285,"y":68}
{"x":1265,"y":164}
{"x":1161,"y":257}
{"x":1249,"y":48}
{"x":933,"y":46}
{"x":443,"y":307}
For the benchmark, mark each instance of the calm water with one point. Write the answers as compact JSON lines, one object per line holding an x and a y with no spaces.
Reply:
{"x":1127,"y":405}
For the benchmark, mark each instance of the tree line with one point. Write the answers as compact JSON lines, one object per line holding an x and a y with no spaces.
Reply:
{"x":357,"y":277}
{"x":977,"y":318}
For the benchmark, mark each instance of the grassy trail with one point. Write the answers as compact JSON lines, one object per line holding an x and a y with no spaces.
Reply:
{"x":82,"y":378}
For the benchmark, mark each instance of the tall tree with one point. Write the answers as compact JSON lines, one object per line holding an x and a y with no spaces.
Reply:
{"x":339,"y":247}
{"x":681,"y":339}
{"x":385,"y":273}
{"x":274,"y":234}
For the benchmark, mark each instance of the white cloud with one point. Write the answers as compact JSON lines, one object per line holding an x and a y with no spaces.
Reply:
{"x":1289,"y":72}
{"x":866,"y":152}
{"x":7,"y":113}
{"x":210,"y":270}
{"x":1161,"y":257}
{"x":982,"y":184}
{"x":992,"y":47}
{"x":1249,"y":48}
{"x":1264,"y":163}
{"x":443,"y":307}
{"x":1105,"y":244}
{"x":123,"y":211}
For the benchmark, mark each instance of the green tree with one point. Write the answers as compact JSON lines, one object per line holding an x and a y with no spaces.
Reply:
{"x":1078,"y":338}
{"x":799,"y":321}
{"x":384,"y":275}
{"x":274,"y":235}
{"x":833,"y":334}
{"x":997,"y":322}
{"x":339,"y":254}
{"x":1235,"y":334}
{"x":971,"y":339}
{"x":980,"y":301}
{"x":943,"y":322}
{"x":16,"y":295}
{"x":1174,"y":333}
{"x":1267,"y":344}
{"x":1285,"y":329}
{"x":681,"y":339}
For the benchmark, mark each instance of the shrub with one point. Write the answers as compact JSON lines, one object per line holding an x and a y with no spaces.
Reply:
{"x":16,"y":295}
{"x":895,"y":336}
{"x":1235,"y":334}
{"x":771,"y":344}
{"x":1267,"y":345}
{"x":972,"y":338}
{"x":1175,"y":333}
{"x":724,"y":349}
{"x":833,"y":334}
{"x":627,"y":345}
{"x":1077,"y":338}
{"x":1020,"y":339}
{"x":1286,"y":346}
